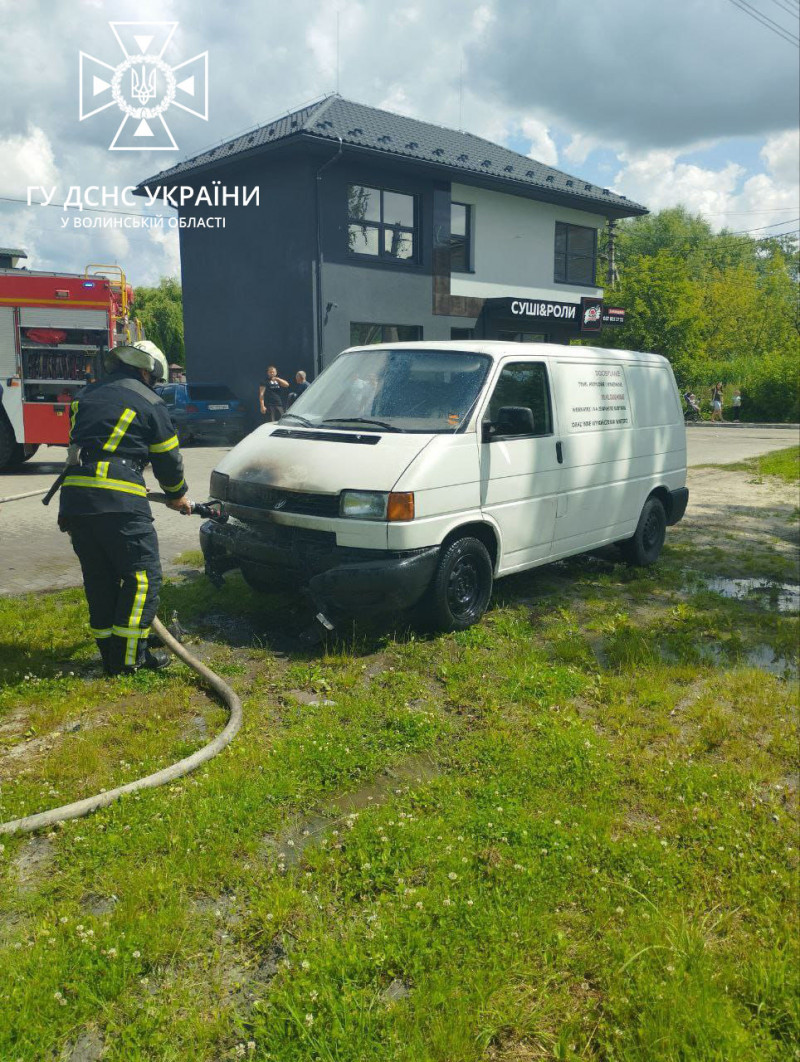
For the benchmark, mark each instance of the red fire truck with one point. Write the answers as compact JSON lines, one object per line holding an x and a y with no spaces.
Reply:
{"x":54,"y":329}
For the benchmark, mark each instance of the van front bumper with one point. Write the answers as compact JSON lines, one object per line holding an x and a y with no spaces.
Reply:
{"x":366,"y":581}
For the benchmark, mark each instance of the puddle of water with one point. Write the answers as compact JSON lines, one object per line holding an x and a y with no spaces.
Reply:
{"x":761,"y":656}
{"x":289,"y":846}
{"x":784,"y":597}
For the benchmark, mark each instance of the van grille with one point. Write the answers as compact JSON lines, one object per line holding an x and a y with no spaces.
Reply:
{"x":261,"y":496}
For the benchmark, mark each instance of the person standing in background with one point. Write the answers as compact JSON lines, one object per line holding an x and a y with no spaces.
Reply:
{"x":737,"y":404}
{"x":716,"y":402}
{"x":299,"y":387}
{"x":270,"y":398}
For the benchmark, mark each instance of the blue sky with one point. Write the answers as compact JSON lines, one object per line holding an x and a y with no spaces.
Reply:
{"x":691,"y":102}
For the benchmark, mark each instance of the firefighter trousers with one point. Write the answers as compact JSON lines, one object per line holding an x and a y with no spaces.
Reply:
{"x":118,"y":553}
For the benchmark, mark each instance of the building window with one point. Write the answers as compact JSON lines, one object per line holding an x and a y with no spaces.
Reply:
{"x":576,"y":254}
{"x":381,"y":224}
{"x":523,"y":384}
{"x":462,"y":333}
{"x":363,"y":335}
{"x":460,"y":238}
{"x":523,"y":337}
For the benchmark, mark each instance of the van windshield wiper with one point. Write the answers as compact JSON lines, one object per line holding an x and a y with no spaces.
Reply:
{"x":302,"y":420}
{"x":363,"y":420}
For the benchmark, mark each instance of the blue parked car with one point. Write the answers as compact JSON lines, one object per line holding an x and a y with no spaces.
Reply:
{"x":204,"y":410}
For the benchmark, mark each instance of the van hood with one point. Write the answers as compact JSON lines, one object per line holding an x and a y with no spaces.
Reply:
{"x":321,"y":461}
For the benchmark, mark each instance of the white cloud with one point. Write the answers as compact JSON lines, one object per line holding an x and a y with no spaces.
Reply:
{"x":580,"y":147}
{"x":168,"y":261}
{"x":272,"y":57}
{"x":727,"y":196}
{"x":782,"y":156}
{"x":27,"y":160}
{"x":542,"y":147}
{"x":659,"y":180}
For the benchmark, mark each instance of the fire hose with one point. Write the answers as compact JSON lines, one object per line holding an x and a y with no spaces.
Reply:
{"x":79,"y":808}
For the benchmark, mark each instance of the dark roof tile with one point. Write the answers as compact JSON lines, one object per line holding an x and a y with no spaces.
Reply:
{"x":357,"y":125}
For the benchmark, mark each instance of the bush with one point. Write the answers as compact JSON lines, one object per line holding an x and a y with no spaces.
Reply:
{"x":770,"y":386}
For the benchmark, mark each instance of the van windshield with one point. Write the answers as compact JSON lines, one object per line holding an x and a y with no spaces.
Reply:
{"x":431,"y":391}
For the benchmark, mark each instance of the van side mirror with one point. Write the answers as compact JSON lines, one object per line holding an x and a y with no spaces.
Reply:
{"x":511,"y":420}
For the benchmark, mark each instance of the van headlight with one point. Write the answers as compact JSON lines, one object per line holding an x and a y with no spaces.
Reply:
{"x":376,"y":505}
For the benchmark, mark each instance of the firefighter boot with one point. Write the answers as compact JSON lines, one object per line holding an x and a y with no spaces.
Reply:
{"x":105,"y":647}
{"x":148,"y":659}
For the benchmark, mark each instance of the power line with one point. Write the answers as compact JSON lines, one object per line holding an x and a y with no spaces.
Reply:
{"x":774,"y":225}
{"x":766,"y":21}
{"x":94,"y":210}
{"x":793,"y":11}
{"x":731,"y":213}
{"x":765,"y":18}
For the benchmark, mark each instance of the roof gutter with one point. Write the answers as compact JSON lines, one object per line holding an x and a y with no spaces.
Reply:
{"x":319,"y":317}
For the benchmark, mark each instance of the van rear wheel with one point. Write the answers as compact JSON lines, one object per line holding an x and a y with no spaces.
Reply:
{"x":645,"y":547}
{"x":462,"y":586}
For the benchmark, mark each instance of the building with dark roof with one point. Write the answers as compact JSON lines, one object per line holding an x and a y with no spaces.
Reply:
{"x":9,"y":256}
{"x":373,"y":226}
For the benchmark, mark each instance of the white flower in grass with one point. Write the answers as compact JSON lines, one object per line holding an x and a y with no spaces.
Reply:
{"x":309,"y":1020}
{"x":453,"y":876}
{"x":137,"y":955}
{"x":305,"y":965}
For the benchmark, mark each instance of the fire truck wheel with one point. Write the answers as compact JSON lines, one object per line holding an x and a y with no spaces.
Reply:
{"x":12,"y":453}
{"x":28,"y":450}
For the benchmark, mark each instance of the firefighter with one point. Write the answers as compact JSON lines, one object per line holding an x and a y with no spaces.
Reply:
{"x":117,"y":426}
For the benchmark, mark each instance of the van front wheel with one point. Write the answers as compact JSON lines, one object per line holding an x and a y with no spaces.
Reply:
{"x":645,"y":547}
{"x":461,"y":588}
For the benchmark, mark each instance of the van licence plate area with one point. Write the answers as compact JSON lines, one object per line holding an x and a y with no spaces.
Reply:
{"x":218,"y":406}
{"x":273,"y":499}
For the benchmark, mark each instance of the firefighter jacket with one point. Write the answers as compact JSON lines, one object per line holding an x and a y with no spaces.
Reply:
{"x":120,"y":425}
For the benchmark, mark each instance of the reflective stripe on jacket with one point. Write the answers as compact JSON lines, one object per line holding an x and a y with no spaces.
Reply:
{"x":120,"y":425}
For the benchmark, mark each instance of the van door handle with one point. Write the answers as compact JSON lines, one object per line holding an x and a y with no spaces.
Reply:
{"x":559,"y":453}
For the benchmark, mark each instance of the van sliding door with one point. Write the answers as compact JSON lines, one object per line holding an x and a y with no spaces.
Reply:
{"x":520,"y":472}
{"x":602,"y":470}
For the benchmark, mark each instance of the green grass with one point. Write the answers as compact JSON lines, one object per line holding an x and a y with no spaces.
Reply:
{"x":783,"y":464}
{"x":568,"y":833}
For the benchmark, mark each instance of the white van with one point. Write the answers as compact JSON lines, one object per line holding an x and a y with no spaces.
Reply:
{"x":427,"y":470}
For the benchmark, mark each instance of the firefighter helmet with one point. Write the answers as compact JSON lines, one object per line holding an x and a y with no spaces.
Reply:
{"x":142,"y":355}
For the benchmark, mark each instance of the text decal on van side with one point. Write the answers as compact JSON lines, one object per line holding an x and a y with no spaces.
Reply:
{"x":595,"y":397}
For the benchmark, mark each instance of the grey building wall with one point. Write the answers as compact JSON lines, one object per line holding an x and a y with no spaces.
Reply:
{"x":248,"y":288}
{"x":377,"y":291}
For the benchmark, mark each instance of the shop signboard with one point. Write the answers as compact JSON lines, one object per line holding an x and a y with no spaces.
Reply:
{"x":591,"y":314}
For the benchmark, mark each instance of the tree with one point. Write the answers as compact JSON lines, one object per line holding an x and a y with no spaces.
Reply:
{"x":161,"y":312}
{"x":721,"y":306}
{"x":664,"y":309}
